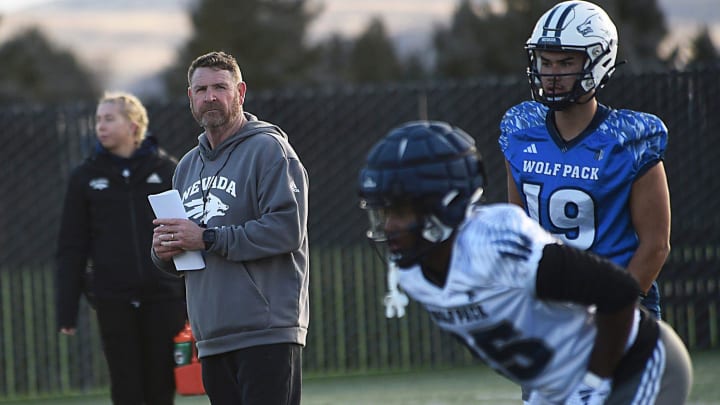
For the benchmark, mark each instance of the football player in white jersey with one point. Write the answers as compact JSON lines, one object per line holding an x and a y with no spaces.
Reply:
{"x":592,"y":175}
{"x":561,"y":322}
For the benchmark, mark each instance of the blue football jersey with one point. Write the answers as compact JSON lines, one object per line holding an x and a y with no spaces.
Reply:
{"x":580,"y":190}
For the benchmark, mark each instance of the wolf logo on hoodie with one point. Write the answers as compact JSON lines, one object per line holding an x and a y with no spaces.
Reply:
{"x":214,"y":207}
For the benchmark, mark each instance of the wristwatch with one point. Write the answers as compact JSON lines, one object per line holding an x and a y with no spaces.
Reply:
{"x":209,"y":236}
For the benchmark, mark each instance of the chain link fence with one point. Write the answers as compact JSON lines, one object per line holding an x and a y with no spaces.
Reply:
{"x":332,"y":129}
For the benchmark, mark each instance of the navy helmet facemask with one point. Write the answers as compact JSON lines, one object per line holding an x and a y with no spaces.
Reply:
{"x":431,"y":165}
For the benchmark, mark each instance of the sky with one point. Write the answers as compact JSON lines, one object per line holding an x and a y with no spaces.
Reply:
{"x":127,"y":42}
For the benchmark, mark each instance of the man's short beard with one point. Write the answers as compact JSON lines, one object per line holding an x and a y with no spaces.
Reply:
{"x":221,"y":121}
{"x":218,"y":122}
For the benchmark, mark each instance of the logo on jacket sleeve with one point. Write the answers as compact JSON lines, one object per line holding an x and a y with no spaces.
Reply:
{"x":153,"y":179}
{"x":101,"y":183}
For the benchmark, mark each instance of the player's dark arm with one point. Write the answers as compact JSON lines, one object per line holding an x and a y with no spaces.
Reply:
{"x":569,"y":274}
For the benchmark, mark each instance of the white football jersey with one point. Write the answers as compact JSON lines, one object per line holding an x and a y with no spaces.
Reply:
{"x":489,"y":302}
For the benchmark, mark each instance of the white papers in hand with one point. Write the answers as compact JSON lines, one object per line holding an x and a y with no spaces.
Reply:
{"x":168,"y":205}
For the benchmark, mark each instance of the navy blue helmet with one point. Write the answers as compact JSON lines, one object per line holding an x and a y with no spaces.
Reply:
{"x":430,"y":164}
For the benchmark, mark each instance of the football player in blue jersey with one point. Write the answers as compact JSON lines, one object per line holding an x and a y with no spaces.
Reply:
{"x":561,"y":322}
{"x":591,"y":175}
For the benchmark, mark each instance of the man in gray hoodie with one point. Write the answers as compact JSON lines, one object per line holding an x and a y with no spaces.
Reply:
{"x":245,"y":193}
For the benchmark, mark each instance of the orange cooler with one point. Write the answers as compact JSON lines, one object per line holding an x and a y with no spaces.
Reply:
{"x":188,"y":371}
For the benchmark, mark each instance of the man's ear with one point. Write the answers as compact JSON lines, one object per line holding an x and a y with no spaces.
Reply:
{"x":242,"y":88}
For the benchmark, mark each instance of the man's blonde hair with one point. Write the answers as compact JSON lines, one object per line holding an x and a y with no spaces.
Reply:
{"x":132,"y":108}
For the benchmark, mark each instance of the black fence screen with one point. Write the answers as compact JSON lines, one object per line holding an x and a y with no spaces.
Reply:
{"x":332,"y":129}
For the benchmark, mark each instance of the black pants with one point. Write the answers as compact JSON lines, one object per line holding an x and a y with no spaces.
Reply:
{"x":138,"y":345}
{"x":259,"y":375}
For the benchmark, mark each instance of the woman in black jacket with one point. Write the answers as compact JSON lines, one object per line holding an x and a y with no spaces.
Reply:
{"x":107,"y":229}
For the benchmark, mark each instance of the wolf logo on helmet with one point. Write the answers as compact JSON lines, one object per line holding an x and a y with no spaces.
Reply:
{"x":590,"y":25}
{"x":405,"y":165}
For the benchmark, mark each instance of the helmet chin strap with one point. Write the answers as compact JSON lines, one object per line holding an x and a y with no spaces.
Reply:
{"x":435,"y":231}
{"x":560,"y":102}
{"x":428,"y":236}
{"x":564,"y":104}
{"x":395,"y":300}
{"x":561,"y":105}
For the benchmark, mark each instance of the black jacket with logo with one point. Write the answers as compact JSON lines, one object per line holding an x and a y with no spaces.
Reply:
{"x":106,"y":231}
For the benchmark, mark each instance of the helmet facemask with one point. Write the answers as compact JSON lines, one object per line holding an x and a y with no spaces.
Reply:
{"x":583,"y":84}
{"x":427,"y":231}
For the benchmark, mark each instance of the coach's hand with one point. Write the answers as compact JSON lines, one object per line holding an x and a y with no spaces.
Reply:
{"x":173,"y":236}
{"x":591,"y":390}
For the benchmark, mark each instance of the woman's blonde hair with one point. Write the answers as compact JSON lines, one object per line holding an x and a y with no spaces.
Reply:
{"x":131,"y":108}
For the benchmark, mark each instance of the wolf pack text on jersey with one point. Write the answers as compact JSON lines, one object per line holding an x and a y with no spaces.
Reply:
{"x":562,"y":170}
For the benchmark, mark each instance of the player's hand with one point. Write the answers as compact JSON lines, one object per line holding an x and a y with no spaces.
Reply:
{"x":395,"y":303}
{"x":591,"y":390}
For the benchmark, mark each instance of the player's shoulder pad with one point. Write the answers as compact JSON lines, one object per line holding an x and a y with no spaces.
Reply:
{"x":527,"y":114}
{"x":642,"y":134}
{"x":487,"y":219}
{"x":634,"y":126}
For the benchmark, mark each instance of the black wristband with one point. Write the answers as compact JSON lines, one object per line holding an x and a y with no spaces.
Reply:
{"x":209,"y":236}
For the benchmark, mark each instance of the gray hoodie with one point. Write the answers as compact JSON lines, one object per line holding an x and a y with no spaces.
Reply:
{"x":254,"y":288}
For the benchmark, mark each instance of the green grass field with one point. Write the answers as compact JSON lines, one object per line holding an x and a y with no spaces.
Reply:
{"x":458,"y":386}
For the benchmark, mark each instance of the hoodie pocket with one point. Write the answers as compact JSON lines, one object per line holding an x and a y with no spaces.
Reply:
{"x":224,"y":300}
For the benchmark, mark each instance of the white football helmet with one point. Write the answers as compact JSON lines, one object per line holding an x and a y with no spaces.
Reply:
{"x":573,"y":26}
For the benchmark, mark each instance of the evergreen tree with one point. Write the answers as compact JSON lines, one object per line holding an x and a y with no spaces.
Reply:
{"x":459,"y":51}
{"x":373,"y":57}
{"x":333,"y":61}
{"x":267,"y":37}
{"x":34,"y":70}
{"x":482,"y":40}
{"x":704,"y":52}
{"x":370,"y":57}
{"x":414,"y":68}
{"x":641,"y":27}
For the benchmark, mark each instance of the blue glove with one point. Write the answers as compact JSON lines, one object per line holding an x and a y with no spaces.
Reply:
{"x":591,"y":390}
